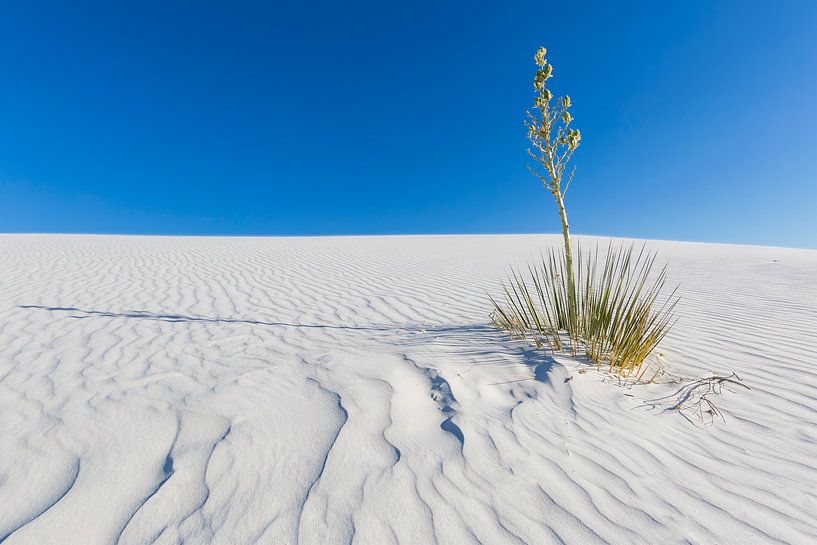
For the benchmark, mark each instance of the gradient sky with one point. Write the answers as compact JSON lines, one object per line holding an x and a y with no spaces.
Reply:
{"x":699,"y":119}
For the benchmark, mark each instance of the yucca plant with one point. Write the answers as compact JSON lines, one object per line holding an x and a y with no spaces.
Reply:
{"x":623,"y":309}
{"x":610,"y":308}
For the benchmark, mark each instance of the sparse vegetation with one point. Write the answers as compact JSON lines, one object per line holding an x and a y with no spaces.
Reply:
{"x":622,"y":309}
{"x":609,"y":307}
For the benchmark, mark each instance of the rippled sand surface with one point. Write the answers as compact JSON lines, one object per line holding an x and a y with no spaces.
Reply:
{"x":349,"y":390}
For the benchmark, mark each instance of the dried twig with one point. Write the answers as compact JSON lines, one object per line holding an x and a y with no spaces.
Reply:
{"x":697,"y":396}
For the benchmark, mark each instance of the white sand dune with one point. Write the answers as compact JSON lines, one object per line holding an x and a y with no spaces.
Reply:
{"x":349,"y":390}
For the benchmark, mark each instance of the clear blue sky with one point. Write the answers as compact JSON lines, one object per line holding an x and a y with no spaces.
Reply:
{"x":699,"y":119}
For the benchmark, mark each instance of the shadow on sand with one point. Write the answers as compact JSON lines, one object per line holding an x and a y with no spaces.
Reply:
{"x":176,"y":318}
{"x":486,"y":345}
{"x":482,"y":343}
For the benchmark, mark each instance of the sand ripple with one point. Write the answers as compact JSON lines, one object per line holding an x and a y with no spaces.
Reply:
{"x":348,"y":390}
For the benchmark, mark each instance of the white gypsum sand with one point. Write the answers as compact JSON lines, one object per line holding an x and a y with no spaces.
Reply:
{"x":349,"y":390}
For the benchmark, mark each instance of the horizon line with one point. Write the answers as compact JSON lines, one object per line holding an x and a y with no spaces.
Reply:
{"x":399,"y":235}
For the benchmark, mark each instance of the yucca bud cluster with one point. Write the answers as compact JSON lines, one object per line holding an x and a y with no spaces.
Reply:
{"x":542,"y":100}
{"x":551,"y":130}
{"x":545,"y":71}
{"x":540,"y":56}
{"x":542,"y":76}
{"x":573,"y":138}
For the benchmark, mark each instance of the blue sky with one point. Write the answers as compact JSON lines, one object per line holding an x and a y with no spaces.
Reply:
{"x":699,"y":119}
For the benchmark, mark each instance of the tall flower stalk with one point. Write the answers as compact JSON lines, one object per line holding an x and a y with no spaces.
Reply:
{"x":553,"y":142}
